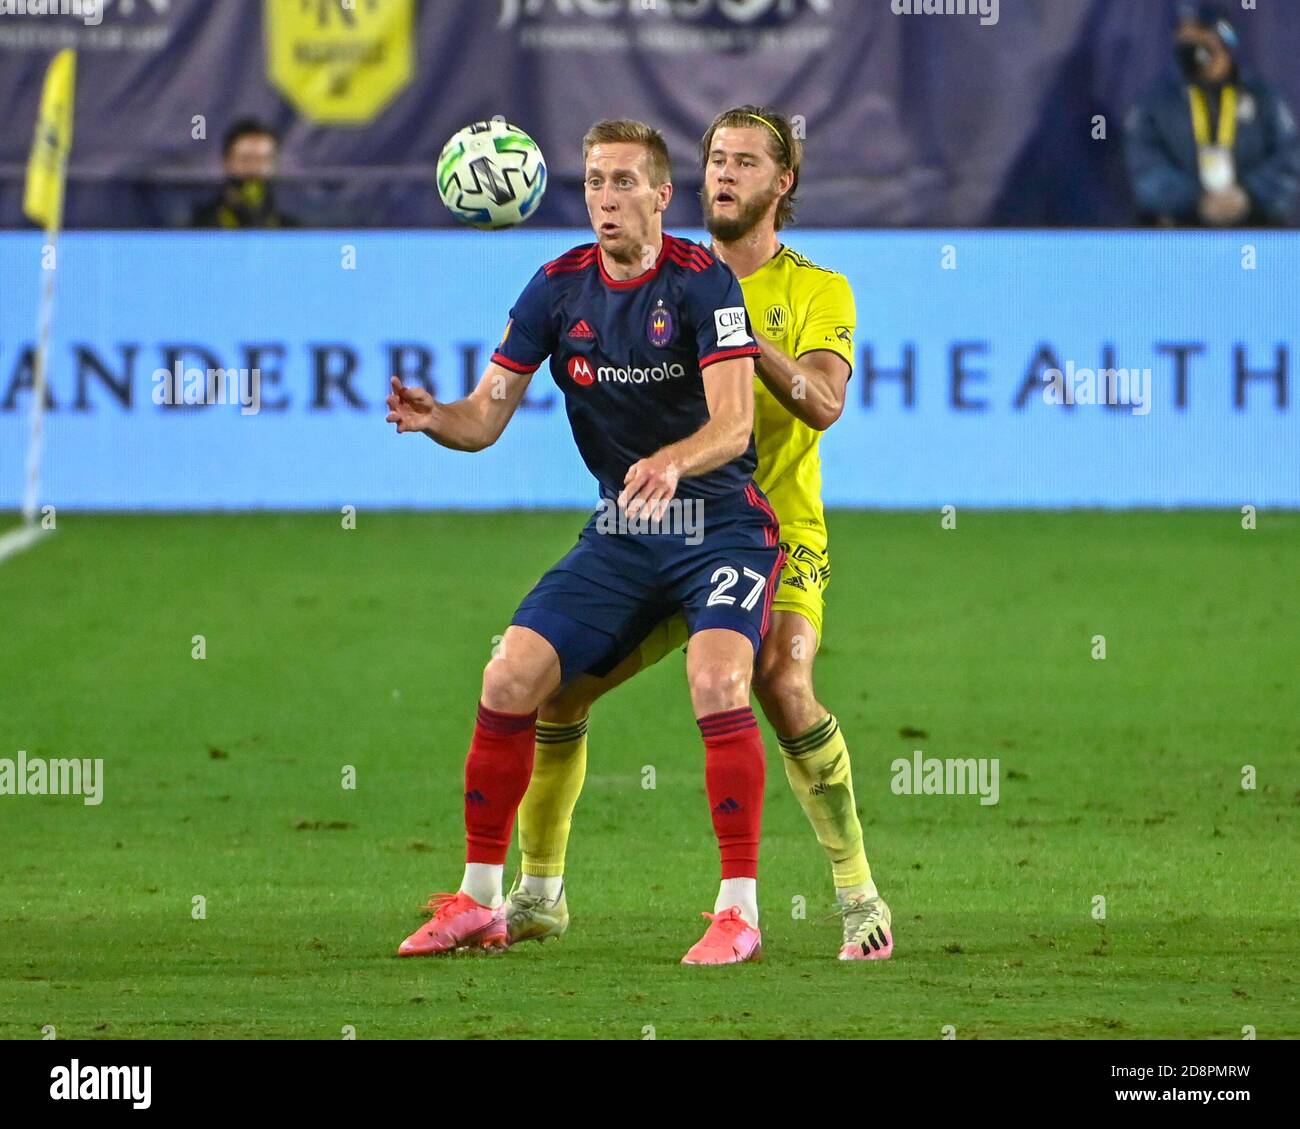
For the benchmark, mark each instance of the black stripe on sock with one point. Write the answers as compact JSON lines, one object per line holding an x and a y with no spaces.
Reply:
{"x":504,"y":724}
{"x":549,"y":733}
{"x":816,"y":737}
{"x":728,"y":720}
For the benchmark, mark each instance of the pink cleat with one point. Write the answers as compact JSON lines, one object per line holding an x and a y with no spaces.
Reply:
{"x":458,"y":922}
{"x":730,"y":939}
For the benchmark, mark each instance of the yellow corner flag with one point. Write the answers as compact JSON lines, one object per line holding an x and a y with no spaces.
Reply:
{"x":48,"y":166}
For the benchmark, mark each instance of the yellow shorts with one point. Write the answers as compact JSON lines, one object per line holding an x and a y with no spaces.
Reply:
{"x":801,"y":589}
{"x":806,"y":573}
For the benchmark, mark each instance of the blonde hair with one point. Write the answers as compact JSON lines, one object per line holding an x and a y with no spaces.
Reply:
{"x":782,"y":146}
{"x":625,"y":130}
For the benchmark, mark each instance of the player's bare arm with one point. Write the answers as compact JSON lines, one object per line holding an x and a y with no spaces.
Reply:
{"x":471,"y":424}
{"x":729,"y":390}
{"x":811,"y":389}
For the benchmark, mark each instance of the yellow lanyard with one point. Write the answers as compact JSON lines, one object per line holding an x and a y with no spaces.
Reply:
{"x":1227,"y":117}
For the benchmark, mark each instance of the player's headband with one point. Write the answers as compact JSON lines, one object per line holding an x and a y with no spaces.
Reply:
{"x":784,"y":148}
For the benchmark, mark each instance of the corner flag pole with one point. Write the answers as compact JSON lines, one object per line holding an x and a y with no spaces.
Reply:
{"x":47,"y":173}
{"x":36,"y":439}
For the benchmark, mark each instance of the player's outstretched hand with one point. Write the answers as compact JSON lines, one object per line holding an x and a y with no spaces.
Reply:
{"x":410,"y":408}
{"x":650,"y":485}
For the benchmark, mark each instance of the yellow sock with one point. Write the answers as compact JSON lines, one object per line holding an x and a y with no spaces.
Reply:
{"x":817,"y":766}
{"x":546,"y":814}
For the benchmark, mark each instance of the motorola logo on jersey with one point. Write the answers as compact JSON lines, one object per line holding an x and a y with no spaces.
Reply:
{"x":580,"y":371}
{"x":582,"y":374}
{"x":656,"y":373}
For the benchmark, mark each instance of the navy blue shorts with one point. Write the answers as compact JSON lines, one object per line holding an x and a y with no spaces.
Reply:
{"x":717,"y":560}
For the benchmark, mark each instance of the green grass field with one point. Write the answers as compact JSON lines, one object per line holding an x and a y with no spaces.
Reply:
{"x":1120,"y":778}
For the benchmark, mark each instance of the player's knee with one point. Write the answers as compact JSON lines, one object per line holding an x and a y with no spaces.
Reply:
{"x":784,"y":688}
{"x":508,"y":688}
{"x":783,"y":681}
{"x":717,"y":688}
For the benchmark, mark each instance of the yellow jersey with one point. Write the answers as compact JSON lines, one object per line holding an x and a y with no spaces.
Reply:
{"x":800,"y":307}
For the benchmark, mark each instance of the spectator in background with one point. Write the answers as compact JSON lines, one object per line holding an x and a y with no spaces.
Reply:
{"x":1215,"y":146}
{"x":250,"y":154}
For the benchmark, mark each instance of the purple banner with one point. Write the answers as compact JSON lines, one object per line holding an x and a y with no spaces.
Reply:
{"x":910,"y":119}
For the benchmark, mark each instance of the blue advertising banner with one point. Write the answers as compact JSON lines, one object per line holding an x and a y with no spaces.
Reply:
{"x":981,"y":375}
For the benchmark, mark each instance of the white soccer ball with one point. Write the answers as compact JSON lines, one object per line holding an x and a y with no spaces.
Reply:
{"x":491,"y":175}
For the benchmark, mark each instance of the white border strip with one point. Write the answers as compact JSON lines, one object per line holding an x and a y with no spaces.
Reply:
{"x":16,"y":540}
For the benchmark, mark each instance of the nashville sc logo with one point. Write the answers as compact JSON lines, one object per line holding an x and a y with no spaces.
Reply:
{"x":584,"y":374}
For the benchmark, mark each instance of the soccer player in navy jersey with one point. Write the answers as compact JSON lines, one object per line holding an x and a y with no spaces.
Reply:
{"x":649,"y":342}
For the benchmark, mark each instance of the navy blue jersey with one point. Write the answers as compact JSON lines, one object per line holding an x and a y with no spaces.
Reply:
{"x":628,"y":355}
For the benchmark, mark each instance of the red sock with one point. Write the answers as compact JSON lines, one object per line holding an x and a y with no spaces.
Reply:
{"x":497,"y":771}
{"x":734,"y":771}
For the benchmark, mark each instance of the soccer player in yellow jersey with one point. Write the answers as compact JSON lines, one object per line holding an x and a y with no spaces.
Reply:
{"x":803,"y":316}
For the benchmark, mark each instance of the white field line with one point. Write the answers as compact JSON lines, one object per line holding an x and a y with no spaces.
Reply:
{"x":16,"y":540}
